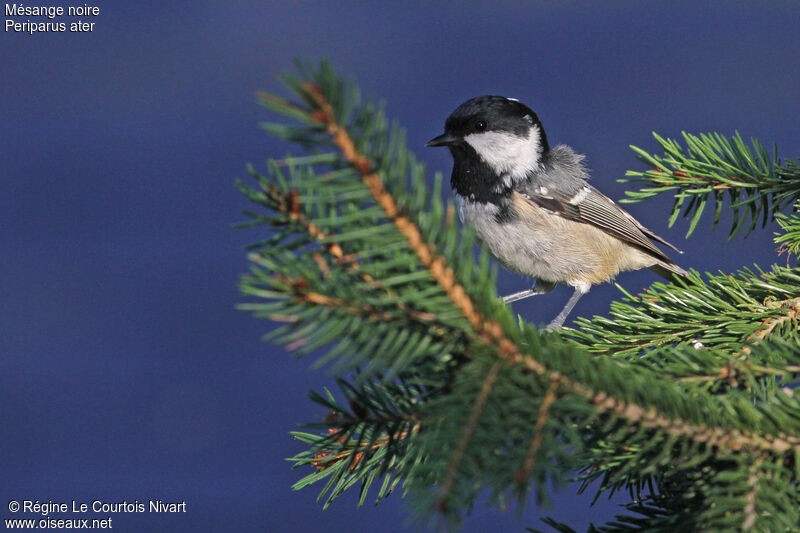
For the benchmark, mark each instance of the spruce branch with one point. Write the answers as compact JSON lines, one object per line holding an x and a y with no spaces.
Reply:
{"x":489,"y":331}
{"x":711,"y":166}
{"x":448,"y":394}
{"x":789,"y":240}
{"x":371,"y":439}
{"x":724,"y":311}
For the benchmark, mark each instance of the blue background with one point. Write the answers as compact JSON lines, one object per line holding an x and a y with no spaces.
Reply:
{"x":126,"y":373}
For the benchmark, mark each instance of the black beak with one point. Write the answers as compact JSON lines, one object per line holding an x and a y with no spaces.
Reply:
{"x":445,"y":139}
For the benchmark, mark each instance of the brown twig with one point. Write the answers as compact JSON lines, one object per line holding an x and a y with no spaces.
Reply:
{"x":753,"y":481}
{"x":769,"y":325}
{"x":731,"y":369}
{"x":685,"y":178}
{"x":466,"y":434}
{"x":538,"y":433}
{"x":290,"y":204}
{"x":299,"y":289}
{"x":325,"y":461}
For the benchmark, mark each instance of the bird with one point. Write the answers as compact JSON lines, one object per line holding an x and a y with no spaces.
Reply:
{"x":533,"y":207}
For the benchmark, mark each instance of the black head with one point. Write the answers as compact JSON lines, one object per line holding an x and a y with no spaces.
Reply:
{"x":494,"y":141}
{"x":489,"y":113}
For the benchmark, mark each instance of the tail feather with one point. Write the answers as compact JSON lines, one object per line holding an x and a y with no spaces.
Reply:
{"x":669,"y":271}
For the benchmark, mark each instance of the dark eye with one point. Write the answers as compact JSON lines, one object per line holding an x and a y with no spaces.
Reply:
{"x":480,"y":125}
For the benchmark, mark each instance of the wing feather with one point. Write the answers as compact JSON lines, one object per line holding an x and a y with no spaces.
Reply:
{"x":590,"y":206}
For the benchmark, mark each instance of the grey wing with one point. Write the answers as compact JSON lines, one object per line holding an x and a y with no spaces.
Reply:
{"x":590,"y":206}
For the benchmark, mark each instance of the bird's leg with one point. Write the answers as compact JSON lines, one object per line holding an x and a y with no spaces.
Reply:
{"x":539,"y":287}
{"x":558,"y":321}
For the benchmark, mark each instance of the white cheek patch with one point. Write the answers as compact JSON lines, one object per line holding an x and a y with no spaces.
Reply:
{"x":507,"y":153}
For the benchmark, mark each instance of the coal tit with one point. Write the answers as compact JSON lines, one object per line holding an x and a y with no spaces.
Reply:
{"x":532,"y":206}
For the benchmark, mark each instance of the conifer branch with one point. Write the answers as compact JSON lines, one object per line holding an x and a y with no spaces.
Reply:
{"x":723,"y":312}
{"x":789,"y":240}
{"x":298,"y":288}
{"x":792,"y":307}
{"x":323,"y":460}
{"x":491,"y":332}
{"x":758,"y":184}
{"x":366,"y":260}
